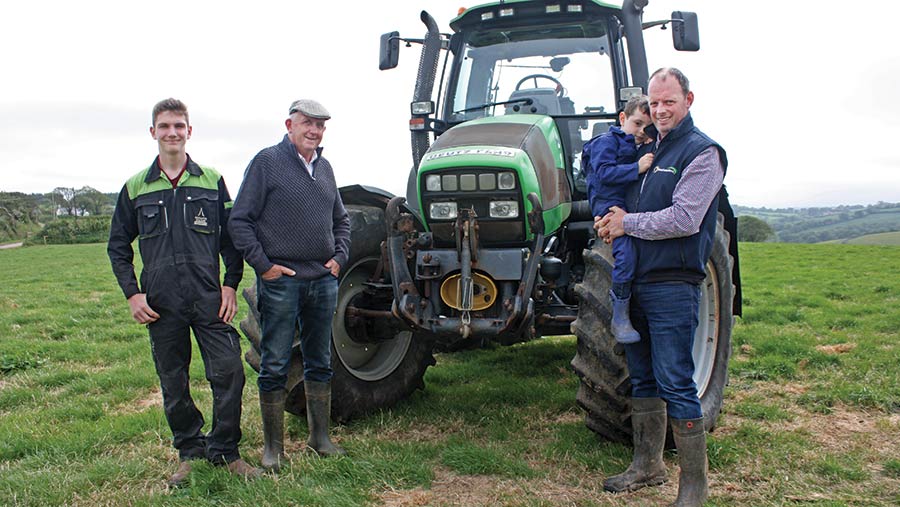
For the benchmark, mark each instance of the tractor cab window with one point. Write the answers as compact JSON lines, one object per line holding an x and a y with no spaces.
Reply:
{"x":562,"y":71}
{"x":571,"y":76}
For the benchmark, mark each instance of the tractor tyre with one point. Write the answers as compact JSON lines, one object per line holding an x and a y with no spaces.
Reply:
{"x":605,"y":388}
{"x":367,"y":376}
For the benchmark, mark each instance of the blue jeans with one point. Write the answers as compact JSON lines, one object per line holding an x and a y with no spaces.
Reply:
{"x":661,"y":364}
{"x":286,"y":304}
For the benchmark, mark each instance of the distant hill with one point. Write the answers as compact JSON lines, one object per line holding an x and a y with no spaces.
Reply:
{"x":838,"y":224}
{"x":884,"y":239}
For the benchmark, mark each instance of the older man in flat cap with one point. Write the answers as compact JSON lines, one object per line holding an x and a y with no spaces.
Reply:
{"x":290,"y":224}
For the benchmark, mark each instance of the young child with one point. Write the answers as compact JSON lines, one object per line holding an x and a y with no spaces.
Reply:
{"x":611,"y":163}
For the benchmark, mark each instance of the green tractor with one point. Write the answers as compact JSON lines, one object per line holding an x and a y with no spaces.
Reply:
{"x":494,"y":239}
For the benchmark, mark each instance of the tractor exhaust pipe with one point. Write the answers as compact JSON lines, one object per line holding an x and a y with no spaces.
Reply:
{"x":428,"y":64}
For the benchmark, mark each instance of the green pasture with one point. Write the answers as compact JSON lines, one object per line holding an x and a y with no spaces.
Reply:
{"x":811,"y":415}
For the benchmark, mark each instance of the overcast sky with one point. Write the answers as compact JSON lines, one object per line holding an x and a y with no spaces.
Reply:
{"x":799,"y":93}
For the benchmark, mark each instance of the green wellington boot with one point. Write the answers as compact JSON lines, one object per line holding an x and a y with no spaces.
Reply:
{"x":690,"y":439}
{"x":648,"y":425}
{"x":318,"y":413}
{"x":271,"y":406}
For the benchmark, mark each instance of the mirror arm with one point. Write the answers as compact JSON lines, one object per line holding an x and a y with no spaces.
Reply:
{"x":663,"y":22}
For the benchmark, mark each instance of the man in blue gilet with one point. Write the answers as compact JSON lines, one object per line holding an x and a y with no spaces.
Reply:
{"x":673,"y":223}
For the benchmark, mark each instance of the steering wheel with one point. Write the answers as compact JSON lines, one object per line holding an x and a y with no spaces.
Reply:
{"x":559,"y":87}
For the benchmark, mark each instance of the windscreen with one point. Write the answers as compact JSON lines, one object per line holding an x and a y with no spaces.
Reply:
{"x":558,"y":71}
{"x":506,"y":72}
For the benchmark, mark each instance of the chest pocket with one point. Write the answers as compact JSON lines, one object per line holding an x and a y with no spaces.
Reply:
{"x":201,"y":211}
{"x":152,"y":218}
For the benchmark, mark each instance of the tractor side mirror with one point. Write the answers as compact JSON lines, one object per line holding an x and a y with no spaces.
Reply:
{"x":389,"y":50}
{"x":685,"y":31}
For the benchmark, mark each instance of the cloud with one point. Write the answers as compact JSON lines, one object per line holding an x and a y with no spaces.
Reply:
{"x":796,"y":114}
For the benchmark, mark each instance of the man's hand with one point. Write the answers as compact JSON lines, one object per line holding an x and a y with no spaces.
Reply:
{"x":229,"y":304}
{"x":334,"y":267}
{"x":611,"y":226}
{"x":644,"y":163}
{"x":140,"y":310}
{"x":276,"y":272}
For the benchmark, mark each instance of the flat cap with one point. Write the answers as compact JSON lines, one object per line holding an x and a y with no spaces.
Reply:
{"x":310,"y":108}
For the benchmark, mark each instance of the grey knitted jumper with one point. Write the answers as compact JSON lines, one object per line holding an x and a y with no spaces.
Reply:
{"x":282,"y":215}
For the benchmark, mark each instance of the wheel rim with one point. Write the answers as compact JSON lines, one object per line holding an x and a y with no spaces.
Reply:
{"x":366,"y":361}
{"x":706,"y":338}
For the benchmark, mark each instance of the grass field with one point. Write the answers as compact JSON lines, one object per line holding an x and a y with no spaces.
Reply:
{"x":811,"y":415}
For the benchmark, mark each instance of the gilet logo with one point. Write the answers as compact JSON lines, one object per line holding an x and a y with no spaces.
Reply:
{"x":665,"y":170}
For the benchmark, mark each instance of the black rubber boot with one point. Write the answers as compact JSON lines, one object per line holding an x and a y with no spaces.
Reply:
{"x":621,"y":320}
{"x":318,"y":413}
{"x":690,"y":439}
{"x":271,"y":405}
{"x":648,"y":425}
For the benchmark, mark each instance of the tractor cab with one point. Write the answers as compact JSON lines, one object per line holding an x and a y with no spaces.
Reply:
{"x":566,"y":60}
{"x":510,"y":59}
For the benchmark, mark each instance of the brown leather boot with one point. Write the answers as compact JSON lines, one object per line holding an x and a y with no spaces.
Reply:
{"x":648,"y":428}
{"x":180,"y":477}
{"x":241,"y":468}
{"x":690,"y":439}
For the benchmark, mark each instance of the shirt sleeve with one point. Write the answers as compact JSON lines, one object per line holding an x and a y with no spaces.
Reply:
{"x":691,"y":198}
{"x":122,"y":232}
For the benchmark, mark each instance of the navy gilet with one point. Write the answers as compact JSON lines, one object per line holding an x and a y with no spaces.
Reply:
{"x":677,"y":259}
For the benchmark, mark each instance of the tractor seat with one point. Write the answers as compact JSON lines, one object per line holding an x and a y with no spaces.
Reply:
{"x":544,"y":101}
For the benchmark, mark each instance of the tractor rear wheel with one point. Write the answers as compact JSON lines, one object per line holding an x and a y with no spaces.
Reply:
{"x":367,"y":376}
{"x":605,"y":389}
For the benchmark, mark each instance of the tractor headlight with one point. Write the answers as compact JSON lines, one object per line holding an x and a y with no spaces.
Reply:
{"x":504,"y":209}
{"x":507,"y":181}
{"x":421,"y":107}
{"x":433,"y":183}
{"x":442,"y":210}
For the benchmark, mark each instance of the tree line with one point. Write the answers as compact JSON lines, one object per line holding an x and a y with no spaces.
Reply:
{"x":814,"y":225}
{"x":23,"y":215}
{"x":27,"y":215}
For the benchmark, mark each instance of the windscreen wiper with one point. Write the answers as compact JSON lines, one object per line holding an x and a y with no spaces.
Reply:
{"x":527,"y":101}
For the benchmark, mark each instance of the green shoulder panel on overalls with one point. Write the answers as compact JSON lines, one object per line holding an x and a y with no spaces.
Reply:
{"x":209,"y":179}
{"x":209,"y":172}
{"x":137,"y":186}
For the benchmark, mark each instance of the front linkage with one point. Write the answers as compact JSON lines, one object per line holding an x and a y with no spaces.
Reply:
{"x":418,"y":309}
